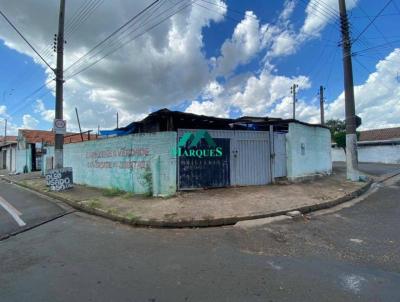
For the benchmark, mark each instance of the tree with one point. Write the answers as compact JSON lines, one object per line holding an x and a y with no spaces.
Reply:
{"x":338,"y":132}
{"x":336,"y":126}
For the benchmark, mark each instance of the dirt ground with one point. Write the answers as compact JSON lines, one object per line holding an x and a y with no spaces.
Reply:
{"x":223,"y":203}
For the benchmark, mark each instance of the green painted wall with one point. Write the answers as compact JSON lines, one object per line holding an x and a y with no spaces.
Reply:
{"x":139,"y":163}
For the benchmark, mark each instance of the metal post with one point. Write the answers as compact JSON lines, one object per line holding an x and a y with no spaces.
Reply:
{"x":79,"y":123}
{"x":321,"y":104}
{"x":59,"y":138}
{"x":117,"y":120}
{"x":351,"y":137}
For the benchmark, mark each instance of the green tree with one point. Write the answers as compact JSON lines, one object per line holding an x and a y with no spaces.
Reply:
{"x":338,"y":132}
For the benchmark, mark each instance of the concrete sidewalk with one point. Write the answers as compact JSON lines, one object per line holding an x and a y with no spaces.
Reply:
{"x":201,"y":208}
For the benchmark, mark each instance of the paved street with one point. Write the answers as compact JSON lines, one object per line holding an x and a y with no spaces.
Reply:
{"x":343,"y":254}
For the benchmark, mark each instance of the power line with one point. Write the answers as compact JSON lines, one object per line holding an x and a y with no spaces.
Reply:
{"x":84,"y":17}
{"x":23,"y":37}
{"x":114,"y":33}
{"x":372,"y":21}
{"x":130,"y":40}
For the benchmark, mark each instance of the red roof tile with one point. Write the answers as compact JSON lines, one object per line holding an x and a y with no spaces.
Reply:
{"x":380,"y":134}
{"x":47,"y":137}
{"x":8,"y":139}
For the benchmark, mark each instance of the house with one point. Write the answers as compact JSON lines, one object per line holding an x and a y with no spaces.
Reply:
{"x":8,"y":147}
{"x":31,"y":143}
{"x":171,"y":150}
{"x":375,"y":146}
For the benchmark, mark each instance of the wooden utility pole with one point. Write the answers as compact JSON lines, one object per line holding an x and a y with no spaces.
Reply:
{"x":351,"y":137}
{"x":293,"y":92}
{"x":321,"y":104}
{"x":59,"y":138}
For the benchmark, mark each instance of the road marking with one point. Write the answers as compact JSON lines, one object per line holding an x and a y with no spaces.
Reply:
{"x":12,"y":211}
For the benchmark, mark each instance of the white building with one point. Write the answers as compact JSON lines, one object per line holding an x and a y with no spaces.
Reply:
{"x":375,"y":146}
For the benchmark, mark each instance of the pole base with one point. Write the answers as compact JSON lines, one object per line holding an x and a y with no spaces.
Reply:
{"x":352,"y":158}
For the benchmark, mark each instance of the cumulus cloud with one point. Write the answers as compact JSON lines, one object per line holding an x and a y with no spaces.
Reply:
{"x":378,"y":99}
{"x":244,"y":44}
{"x":46,"y":114}
{"x":160,"y":68}
{"x":320,"y":13}
{"x":29,"y":122}
{"x":3,"y":109}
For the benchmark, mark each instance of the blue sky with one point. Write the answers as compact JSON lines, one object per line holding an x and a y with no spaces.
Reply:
{"x":317,"y":58}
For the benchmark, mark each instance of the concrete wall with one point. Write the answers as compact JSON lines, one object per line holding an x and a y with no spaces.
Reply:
{"x":308,"y":151}
{"x":388,"y":154}
{"x":23,"y":158}
{"x":139,"y":163}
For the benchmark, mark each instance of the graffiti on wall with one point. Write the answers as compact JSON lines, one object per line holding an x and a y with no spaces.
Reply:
{"x":141,"y":163}
{"x":59,"y":179}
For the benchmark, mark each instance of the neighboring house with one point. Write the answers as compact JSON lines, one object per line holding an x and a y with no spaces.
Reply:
{"x":31,"y":144}
{"x":375,"y":146}
{"x":8,"y":148}
{"x":164,"y":152}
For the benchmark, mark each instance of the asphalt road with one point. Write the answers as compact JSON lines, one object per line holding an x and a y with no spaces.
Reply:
{"x":348,"y":254}
{"x":21,"y":210}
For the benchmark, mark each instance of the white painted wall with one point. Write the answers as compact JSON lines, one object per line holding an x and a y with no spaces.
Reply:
{"x":308,"y":151}
{"x":388,"y":154}
{"x":10,"y":163}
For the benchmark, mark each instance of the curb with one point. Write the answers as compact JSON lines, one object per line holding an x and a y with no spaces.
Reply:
{"x":196,"y":223}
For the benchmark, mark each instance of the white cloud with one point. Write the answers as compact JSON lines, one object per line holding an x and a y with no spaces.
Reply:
{"x":378,"y":99}
{"x":244,"y":44}
{"x":46,"y":114}
{"x":256,"y":95}
{"x":161,"y":68}
{"x":320,"y":13}
{"x":3,"y":109}
{"x":29,"y":122}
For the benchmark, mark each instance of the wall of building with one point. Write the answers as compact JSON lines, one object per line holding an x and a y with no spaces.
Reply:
{"x":308,"y":151}
{"x":139,"y":163}
{"x":388,"y":154}
{"x":23,"y":159}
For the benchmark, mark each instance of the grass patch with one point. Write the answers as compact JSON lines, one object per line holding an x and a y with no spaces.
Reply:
{"x":94,"y":203}
{"x":113,"y":192}
{"x":132,"y":217}
{"x":128,"y":195}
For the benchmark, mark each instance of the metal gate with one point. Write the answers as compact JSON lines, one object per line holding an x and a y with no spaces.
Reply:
{"x":279,"y":147}
{"x":205,"y":171}
{"x":251,"y":158}
{"x":245,"y":161}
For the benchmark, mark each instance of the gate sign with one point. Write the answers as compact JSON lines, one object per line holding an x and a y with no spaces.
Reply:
{"x":59,"y":179}
{"x":60,"y":126}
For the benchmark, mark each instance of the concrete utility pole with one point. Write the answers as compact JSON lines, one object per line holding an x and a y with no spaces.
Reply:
{"x":59,"y":138}
{"x":321,"y":104}
{"x":351,"y":137}
{"x":293,"y":92}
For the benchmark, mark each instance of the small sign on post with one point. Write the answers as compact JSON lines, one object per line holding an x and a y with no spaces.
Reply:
{"x":60,"y":126}
{"x":59,"y":179}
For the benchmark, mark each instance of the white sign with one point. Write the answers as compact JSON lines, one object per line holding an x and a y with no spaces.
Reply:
{"x":60,"y":126}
